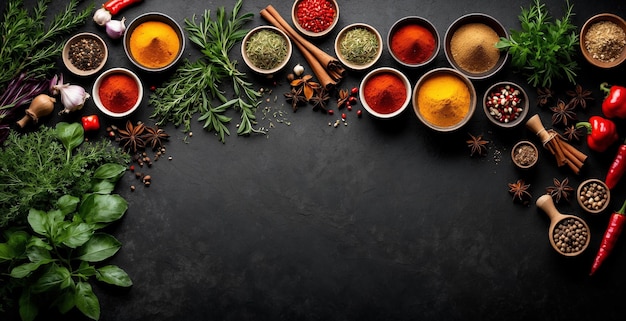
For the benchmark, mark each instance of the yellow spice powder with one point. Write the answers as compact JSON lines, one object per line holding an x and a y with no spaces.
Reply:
{"x":443,"y":100}
{"x":154,"y":44}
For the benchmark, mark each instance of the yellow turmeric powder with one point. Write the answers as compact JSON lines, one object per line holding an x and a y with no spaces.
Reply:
{"x":443,"y":100}
{"x":154,"y":44}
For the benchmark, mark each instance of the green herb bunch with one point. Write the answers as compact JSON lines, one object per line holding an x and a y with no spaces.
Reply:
{"x":195,"y":85}
{"x":50,"y":263}
{"x":543,"y":50}
{"x":37,"y":168}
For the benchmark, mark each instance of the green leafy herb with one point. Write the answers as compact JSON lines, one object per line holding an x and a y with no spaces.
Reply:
{"x":36,"y":168}
{"x":195,"y":85}
{"x":543,"y":50}
{"x":51,"y":263}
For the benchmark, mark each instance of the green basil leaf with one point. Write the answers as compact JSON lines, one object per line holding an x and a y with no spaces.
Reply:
{"x":67,"y":300}
{"x":38,"y":221}
{"x":110,"y":171}
{"x":86,"y":270}
{"x":102,"y":187}
{"x":101,"y":246}
{"x":67,"y":204}
{"x":25,"y":269}
{"x":28,"y":308}
{"x":97,"y":208}
{"x":112,"y":274}
{"x":56,"y":277}
{"x":70,"y":135}
{"x":6,"y":252}
{"x":38,"y":254}
{"x":15,"y":245}
{"x":76,"y":234}
{"x":86,"y":301}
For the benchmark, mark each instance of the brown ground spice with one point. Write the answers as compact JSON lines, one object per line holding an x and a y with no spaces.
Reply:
{"x":473,"y":47}
{"x":605,"y":41}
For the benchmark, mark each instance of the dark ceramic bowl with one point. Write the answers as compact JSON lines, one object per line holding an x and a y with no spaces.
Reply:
{"x":419,"y":21}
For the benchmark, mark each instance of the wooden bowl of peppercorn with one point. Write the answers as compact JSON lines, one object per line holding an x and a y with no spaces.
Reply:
{"x":593,"y":196}
{"x":85,"y":54}
{"x":315,"y":18}
{"x":603,"y":40}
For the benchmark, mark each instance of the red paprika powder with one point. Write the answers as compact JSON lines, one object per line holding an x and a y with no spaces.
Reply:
{"x":385,"y":93}
{"x":118,"y":92}
{"x":412,"y":44}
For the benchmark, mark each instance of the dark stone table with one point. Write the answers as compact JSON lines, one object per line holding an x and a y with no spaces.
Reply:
{"x":374,"y":220}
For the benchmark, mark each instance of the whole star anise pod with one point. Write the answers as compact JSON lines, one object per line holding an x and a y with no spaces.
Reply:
{"x":561,"y":189}
{"x":131,"y":137}
{"x":320,"y":99}
{"x":519,"y":190}
{"x":295,"y":97}
{"x":579,"y":97}
{"x":573,"y":133}
{"x":477,"y":145}
{"x":343,"y":100}
{"x":544,"y":96}
{"x":154,"y":137}
{"x":307,"y":84}
{"x":563,"y":113}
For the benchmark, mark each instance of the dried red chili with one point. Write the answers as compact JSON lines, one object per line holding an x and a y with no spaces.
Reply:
{"x":315,"y":15}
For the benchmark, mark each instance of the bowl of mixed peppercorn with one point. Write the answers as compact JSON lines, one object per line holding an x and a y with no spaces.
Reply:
{"x":85,"y":54}
{"x":505,"y":104}
{"x":315,"y":18}
{"x":603,"y":40}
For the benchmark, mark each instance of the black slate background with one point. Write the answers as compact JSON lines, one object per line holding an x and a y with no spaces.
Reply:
{"x":376,"y":220}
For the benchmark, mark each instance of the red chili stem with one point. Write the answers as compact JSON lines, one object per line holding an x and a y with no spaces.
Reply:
{"x":605,"y":88}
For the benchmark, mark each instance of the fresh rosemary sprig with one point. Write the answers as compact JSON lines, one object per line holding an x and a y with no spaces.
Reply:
{"x":195,"y":85}
{"x":28,"y":45}
{"x":543,"y":50}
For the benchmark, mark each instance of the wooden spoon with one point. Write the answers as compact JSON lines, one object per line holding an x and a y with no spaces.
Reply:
{"x":547,"y":205}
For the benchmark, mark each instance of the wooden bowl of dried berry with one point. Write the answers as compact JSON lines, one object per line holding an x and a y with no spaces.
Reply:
{"x":505,"y":104}
{"x":85,"y":54}
{"x":593,"y":196}
{"x":315,"y":18}
{"x":603,"y":40}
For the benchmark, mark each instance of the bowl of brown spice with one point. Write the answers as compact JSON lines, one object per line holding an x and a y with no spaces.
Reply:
{"x":85,"y":54}
{"x":470,"y":45}
{"x":603,"y":39}
{"x":593,"y":195}
{"x":524,"y":154}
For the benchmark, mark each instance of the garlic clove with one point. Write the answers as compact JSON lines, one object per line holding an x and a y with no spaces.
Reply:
{"x":298,"y":70}
{"x":102,"y":16}
{"x":116,"y":28}
{"x":73,"y":97}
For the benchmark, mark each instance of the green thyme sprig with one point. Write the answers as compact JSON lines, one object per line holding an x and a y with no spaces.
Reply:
{"x":543,"y":50}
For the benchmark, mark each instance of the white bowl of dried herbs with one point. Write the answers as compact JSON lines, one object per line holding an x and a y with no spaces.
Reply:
{"x":266,"y":50}
{"x":358,"y":46}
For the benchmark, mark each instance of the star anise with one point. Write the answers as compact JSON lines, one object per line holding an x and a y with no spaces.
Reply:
{"x":573,"y":133}
{"x":519,"y":190}
{"x":563,"y":113}
{"x":131,"y":138}
{"x":307,"y":84}
{"x":154,"y":137}
{"x":579,"y":97}
{"x":295,"y":97}
{"x":320,"y":99}
{"x":477,"y":145}
{"x":544,"y":96}
{"x":343,"y":100}
{"x":561,"y":189}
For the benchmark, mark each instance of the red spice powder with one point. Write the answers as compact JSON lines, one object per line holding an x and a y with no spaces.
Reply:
{"x":385,"y":93}
{"x":118,"y":92}
{"x":412,"y":44}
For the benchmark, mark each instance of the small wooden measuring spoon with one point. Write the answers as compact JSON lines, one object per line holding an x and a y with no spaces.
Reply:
{"x":547,"y":205}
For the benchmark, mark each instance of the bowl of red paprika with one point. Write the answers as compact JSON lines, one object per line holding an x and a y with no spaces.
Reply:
{"x":117,"y":92}
{"x":413,"y":41}
{"x":315,"y":18}
{"x":385,"y":92}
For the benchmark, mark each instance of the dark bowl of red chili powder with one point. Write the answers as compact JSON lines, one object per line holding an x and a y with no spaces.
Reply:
{"x":117,"y":92}
{"x":315,"y":18}
{"x":413,"y":41}
{"x":385,"y":92}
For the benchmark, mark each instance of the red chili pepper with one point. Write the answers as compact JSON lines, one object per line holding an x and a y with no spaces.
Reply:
{"x":90,"y":123}
{"x":601,"y":133}
{"x":616,"y":225}
{"x":618,"y":167}
{"x":614,"y":105}
{"x":115,"y":6}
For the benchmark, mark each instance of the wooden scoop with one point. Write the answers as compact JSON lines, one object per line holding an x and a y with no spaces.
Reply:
{"x":547,"y":205}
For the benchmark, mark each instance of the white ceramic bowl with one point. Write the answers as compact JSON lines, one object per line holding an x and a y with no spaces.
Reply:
{"x":246,"y":59}
{"x":374,"y":73}
{"x":341,"y":35}
{"x":103,"y":51}
{"x":96,"y":92}
{"x":312,"y":34}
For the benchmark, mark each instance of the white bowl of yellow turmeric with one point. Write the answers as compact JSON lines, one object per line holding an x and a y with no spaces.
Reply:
{"x":154,"y":41}
{"x":444,"y":99}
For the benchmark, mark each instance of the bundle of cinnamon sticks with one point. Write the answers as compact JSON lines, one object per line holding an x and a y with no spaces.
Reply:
{"x":326,"y":68}
{"x":564,"y":153}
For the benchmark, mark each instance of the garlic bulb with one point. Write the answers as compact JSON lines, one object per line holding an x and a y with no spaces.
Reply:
{"x":102,"y":16}
{"x":73,"y":97}
{"x":298,"y":70}
{"x":115,"y":28}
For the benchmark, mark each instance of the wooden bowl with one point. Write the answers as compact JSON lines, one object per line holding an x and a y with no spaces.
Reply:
{"x":587,"y":183}
{"x":516,"y":150}
{"x":352,"y":65}
{"x":492,"y":112}
{"x":546,"y":203}
{"x":267,"y":72}
{"x":419,"y":21}
{"x":583,"y":47}
{"x":309,"y":33}
{"x":101,"y":50}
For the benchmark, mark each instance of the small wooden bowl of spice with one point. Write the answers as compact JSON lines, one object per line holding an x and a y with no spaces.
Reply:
{"x":505,"y":104}
{"x":593,"y":195}
{"x":154,"y":42}
{"x":444,"y":99}
{"x":470,"y":45}
{"x":117,"y":92}
{"x":524,"y":154}
{"x":603,"y":39}
{"x":385,"y":92}
{"x":85,"y":54}
{"x":266,"y":50}
{"x":413,"y":41}
{"x":315,"y":18}
{"x":358,"y":46}
{"x":569,"y":235}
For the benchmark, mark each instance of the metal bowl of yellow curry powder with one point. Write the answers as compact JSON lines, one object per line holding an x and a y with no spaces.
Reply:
{"x":154,"y":41}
